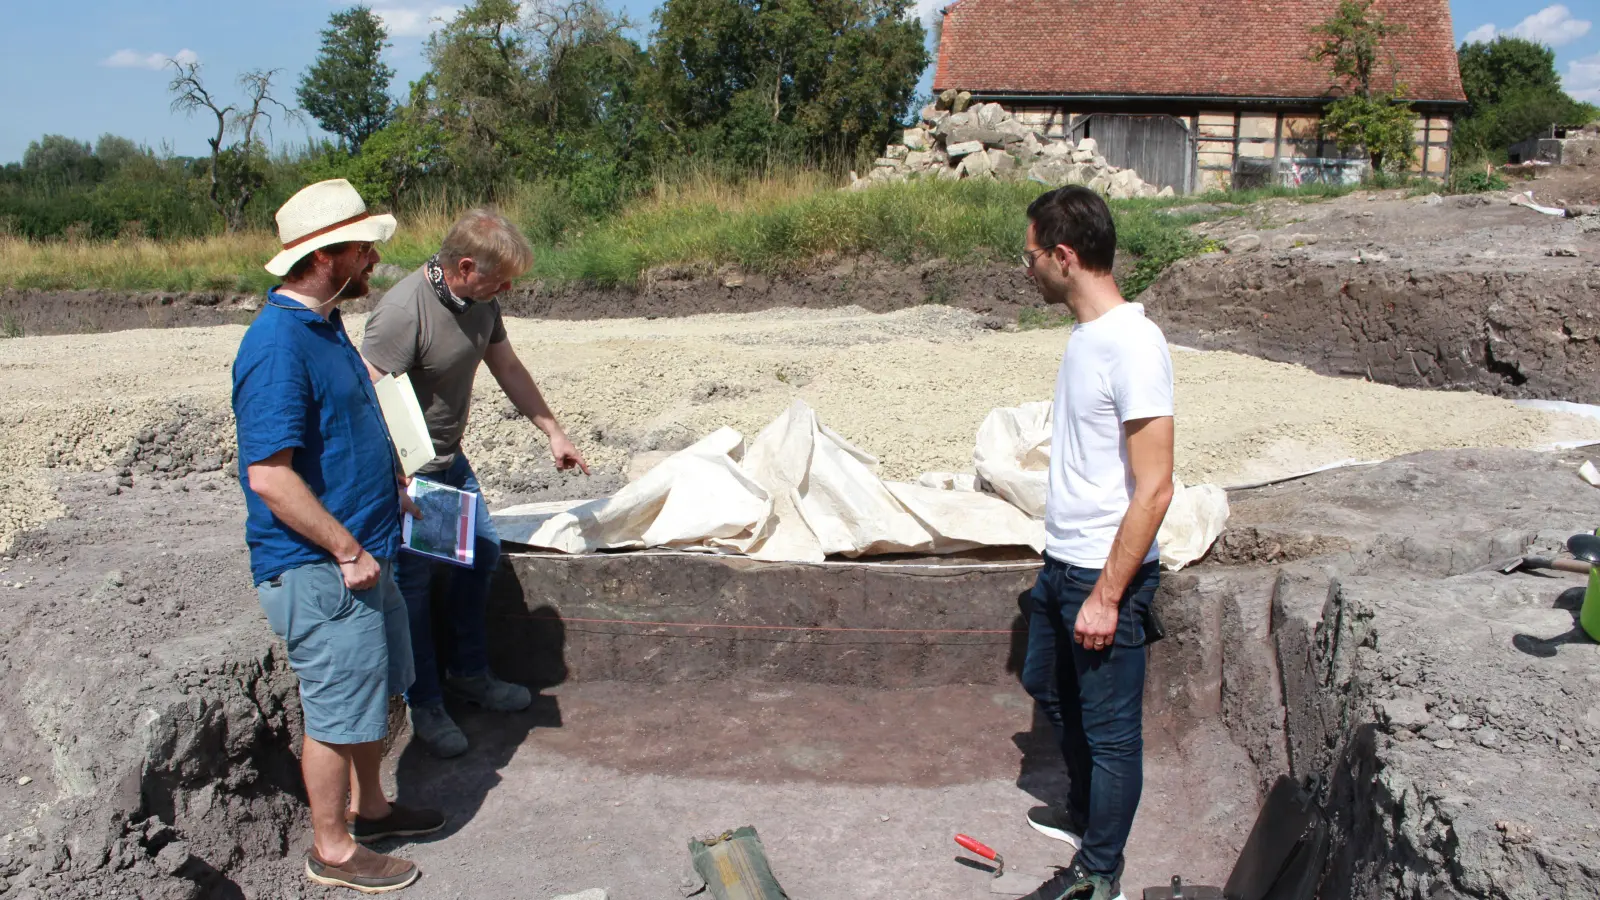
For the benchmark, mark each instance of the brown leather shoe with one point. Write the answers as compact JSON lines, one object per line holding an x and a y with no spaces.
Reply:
{"x":402,"y":821}
{"x":364,"y":871}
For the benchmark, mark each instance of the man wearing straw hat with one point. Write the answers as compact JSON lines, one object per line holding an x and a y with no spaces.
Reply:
{"x":437,"y":325}
{"x":323,"y":526}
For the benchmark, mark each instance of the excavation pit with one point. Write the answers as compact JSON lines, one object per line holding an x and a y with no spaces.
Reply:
{"x":879,"y":700}
{"x":1352,"y":630}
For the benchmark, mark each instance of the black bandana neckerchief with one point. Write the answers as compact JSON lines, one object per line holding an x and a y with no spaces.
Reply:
{"x":432,"y":271}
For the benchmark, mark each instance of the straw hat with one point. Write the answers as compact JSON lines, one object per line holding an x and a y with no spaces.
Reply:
{"x":328,"y":212}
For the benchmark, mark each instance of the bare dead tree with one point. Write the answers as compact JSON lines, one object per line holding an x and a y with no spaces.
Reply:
{"x":235,"y":167}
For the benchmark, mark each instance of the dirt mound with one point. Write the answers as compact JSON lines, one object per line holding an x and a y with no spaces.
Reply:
{"x":36,"y":312}
{"x":148,"y":724}
{"x":1464,"y":293}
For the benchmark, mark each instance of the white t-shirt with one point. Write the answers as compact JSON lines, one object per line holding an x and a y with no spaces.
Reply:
{"x":1117,"y":368}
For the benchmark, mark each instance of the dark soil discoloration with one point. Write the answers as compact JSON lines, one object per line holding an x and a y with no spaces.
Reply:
{"x":32,"y":312}
{"x":1461,"y":294}
{"x":875,"y":284}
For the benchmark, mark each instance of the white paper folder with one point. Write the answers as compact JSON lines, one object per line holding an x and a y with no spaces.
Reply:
{"x":407,"y":428}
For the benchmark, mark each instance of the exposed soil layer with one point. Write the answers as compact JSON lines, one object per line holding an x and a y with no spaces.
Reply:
{"x":871,"y":283}
{"x":775,"y":622}
{"x":1451,"y":706}
{"x":1462,"y":293}
{"x":34,"y":312}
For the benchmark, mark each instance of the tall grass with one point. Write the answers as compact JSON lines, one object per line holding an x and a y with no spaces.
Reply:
{"x":762,"y":224}
{"x":220,"y":263}
{"x":769,"y":226}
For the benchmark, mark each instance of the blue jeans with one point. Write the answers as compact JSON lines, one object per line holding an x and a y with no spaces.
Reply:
{"x":1095,"y":700}
{"x":468,"y":598}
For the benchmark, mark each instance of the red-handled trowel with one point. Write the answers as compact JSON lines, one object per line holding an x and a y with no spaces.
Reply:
{"x":1012,"y":884}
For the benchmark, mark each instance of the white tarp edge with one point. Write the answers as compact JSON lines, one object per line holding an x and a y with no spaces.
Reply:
{"x":800,"y":492}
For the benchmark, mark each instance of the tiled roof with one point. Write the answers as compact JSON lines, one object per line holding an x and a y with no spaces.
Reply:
{"x":1189,"y":48}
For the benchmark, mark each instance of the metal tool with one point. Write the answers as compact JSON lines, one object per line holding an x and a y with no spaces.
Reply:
{"x":1012,"y":884}
{"x":1524,"y":563}
{"x":1585,"y":547}
{"x":1180,"y":891}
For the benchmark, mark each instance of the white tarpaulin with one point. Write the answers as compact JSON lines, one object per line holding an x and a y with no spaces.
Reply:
{"x":1012,"y":455}
{"x":698,"y":497}
{"x":1194,"y":521}
{"x":800,"y":492}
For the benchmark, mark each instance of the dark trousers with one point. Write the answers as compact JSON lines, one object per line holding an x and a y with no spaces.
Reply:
{"x":468,"y":598}
{"x":1095,"y":700}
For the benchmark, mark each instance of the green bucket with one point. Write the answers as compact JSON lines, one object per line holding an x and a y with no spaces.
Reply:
{"x":1589,"y":618}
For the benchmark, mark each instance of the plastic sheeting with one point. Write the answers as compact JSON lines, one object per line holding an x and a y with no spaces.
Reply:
{"x":1194,"y":521}
{"x":1012,"y":456}
{"x":801,"y":492}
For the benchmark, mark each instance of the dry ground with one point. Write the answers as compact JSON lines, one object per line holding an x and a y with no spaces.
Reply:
{"x":131,"y":573}
{"x":910,"y":387}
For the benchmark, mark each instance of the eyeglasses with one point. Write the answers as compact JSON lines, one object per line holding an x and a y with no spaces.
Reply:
{"x":1031,"y":256}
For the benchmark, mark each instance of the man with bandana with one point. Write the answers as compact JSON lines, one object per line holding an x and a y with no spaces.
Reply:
{"x":437,"y":325}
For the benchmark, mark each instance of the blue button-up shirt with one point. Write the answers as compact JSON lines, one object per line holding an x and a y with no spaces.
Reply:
{"x":298,"y":383}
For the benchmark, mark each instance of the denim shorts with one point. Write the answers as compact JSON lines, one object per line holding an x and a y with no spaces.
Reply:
{"x":350,"y":649}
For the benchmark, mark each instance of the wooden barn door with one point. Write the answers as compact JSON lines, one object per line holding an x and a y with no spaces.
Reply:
{"x":1158,"y":147}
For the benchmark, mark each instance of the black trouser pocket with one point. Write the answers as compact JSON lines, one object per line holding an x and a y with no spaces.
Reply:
{"x":1153,"y":629}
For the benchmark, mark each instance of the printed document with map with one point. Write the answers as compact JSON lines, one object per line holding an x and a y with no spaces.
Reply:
{"x":449,"y":524}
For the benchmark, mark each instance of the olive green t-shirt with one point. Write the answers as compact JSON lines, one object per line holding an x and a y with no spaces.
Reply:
{"x":410,"y":331}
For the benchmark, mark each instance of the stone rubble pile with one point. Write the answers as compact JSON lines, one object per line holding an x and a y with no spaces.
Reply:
{"x":958,"y":139}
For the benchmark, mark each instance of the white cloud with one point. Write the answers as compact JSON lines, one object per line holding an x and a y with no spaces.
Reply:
{"x":1582,"y":80}
{"x":1481,"y":35}
{"x":414,"y":20}
{"x":1553,"y":25}
{"x":133,"y":59}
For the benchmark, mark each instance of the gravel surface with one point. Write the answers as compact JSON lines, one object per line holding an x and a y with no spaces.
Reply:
{"x":910,"y":387}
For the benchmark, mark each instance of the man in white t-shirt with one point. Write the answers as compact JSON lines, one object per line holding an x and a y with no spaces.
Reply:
{"x":1110,"y":484}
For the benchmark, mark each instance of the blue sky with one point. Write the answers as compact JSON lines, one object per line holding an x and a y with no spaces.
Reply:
{"x":96,"y":67}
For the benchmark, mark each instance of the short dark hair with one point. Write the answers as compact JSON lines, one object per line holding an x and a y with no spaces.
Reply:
{"x":1080,"y":219}
{"x":302,"y":266}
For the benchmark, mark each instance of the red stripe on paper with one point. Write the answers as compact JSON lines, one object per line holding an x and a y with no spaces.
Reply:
{"x":461,"y":529}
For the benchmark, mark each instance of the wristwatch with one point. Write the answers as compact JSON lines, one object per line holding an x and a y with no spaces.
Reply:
{"x":352,"y":559}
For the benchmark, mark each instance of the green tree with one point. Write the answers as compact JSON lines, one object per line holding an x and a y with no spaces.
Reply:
{"x":832,"y":76}
{"x":1354,"y":44}
{"x":115,"y":152}
{"x":347,"y":89}
{"x":59,"y":161}
{"x":396,"y":160}
{"x":1382,"y":126}
{"x":1491,"y":70}
{"x":535,"y":91}
{"x":1515,"y":93}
